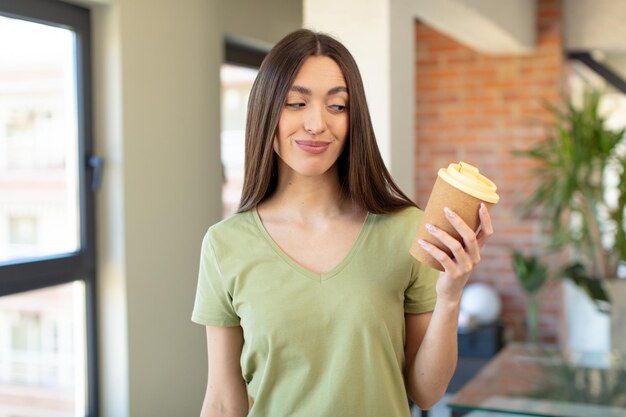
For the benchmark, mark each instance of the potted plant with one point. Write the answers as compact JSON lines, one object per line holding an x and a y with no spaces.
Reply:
{"x":531,"y":274}
{"x":580,"y":193}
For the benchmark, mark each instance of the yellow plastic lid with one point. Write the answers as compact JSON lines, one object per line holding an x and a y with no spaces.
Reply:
{"x":468,"y":179}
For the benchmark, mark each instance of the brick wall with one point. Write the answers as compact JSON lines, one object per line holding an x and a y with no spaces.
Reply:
{"x":477,"y":108}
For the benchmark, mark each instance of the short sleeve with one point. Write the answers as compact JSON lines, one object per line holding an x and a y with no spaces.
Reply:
{"x":214,"y":303}
{"x":421,"y":295}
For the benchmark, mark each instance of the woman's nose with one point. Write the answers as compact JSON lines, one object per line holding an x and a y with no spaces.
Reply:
{"x":314,"y":123}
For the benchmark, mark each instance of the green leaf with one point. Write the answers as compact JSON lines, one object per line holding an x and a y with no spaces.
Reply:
{"x":569,"y":187}
{"x":531,"y":273}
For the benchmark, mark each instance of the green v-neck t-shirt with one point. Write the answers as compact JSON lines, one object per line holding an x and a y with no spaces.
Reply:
{"x":317,"y":345}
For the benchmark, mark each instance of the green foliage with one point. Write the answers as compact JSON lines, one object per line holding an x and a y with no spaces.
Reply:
{"x":530,"y":272}
{"x":571,"y":190}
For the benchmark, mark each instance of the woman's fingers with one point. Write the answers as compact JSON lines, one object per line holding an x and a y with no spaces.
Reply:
{"x":462,"y":258}
{"x":486,"y":228}
{"x":467,"y":234}
{"x":467,"y":254}
{"x":448,"y":264}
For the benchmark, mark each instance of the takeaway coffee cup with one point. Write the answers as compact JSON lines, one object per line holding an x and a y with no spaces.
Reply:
{"x":461,"y":188}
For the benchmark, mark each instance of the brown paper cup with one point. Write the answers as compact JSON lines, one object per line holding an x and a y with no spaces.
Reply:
{"x":445,"y":195}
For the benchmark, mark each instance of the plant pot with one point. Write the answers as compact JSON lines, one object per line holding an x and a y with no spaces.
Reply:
{"x":588,"y":329}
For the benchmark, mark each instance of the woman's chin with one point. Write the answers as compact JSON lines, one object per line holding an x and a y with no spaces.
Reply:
{"x":311,"y":172}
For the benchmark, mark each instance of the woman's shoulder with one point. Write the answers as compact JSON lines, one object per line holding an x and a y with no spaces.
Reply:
{"x":233,"y":220}
{"x":397,"y":230}
{"x":410,"y":211}
{"x":232,"y":227}
{"x":405,"y":215}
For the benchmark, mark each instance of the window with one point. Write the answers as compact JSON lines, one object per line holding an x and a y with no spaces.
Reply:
{"x":236,"y":85}
{"x":22,"y":230}
{"x":237,"y":75}
{"x":47,"y":270}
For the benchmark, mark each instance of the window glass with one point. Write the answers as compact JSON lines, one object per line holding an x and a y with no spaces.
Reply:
{"x":39,"y":207}
{"x":42,"y":352}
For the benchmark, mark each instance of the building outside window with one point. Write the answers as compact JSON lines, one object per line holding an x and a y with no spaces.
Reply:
{"x":47,"y":273}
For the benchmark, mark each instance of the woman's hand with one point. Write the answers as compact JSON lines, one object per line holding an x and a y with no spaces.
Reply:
{"x":465,"y":256}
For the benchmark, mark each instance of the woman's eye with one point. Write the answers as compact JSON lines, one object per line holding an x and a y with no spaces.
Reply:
{"x":295,"y":104}
{"x":337,"y":107}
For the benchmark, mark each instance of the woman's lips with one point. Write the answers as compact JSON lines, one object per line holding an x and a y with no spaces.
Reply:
{"x":313,"y":146}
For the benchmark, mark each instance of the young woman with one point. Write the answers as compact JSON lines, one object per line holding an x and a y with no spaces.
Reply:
{"x":312,"y":304}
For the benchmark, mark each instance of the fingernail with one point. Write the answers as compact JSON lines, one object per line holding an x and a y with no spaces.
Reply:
{"x":483,"y":207}
{"x":448,"y":212}
{"x":430,"y":228}
{"x":422,"y":242}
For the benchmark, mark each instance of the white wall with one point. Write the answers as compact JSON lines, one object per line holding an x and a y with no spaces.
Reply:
{"x":594,"y":24}
{"x":490,"y":26}
{"x":156,"y":91}
{"x":261,"y":22}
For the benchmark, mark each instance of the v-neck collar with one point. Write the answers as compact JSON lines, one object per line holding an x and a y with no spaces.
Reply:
{"x":304,"y":271}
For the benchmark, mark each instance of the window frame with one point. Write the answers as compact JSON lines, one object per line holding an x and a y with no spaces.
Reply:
{"x":242,"y":53}
{"x":34,"y":273}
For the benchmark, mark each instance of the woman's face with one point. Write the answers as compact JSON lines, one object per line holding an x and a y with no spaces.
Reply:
{"x":313,"y":124}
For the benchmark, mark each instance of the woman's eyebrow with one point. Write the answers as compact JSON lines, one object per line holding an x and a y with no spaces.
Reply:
{"x":301,"y":90}
{"x":307,"y":92}
{"x":337,"y":90}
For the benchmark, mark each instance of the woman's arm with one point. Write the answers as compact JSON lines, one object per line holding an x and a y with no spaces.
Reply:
{"x":226,"y":394}
{"x":431,"y":352}
{"x":431,"y":339}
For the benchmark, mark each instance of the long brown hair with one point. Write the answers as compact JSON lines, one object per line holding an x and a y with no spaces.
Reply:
{"x":362,"y":173}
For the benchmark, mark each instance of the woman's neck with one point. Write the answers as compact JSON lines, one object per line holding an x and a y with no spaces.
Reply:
{"x":308,"y":198}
